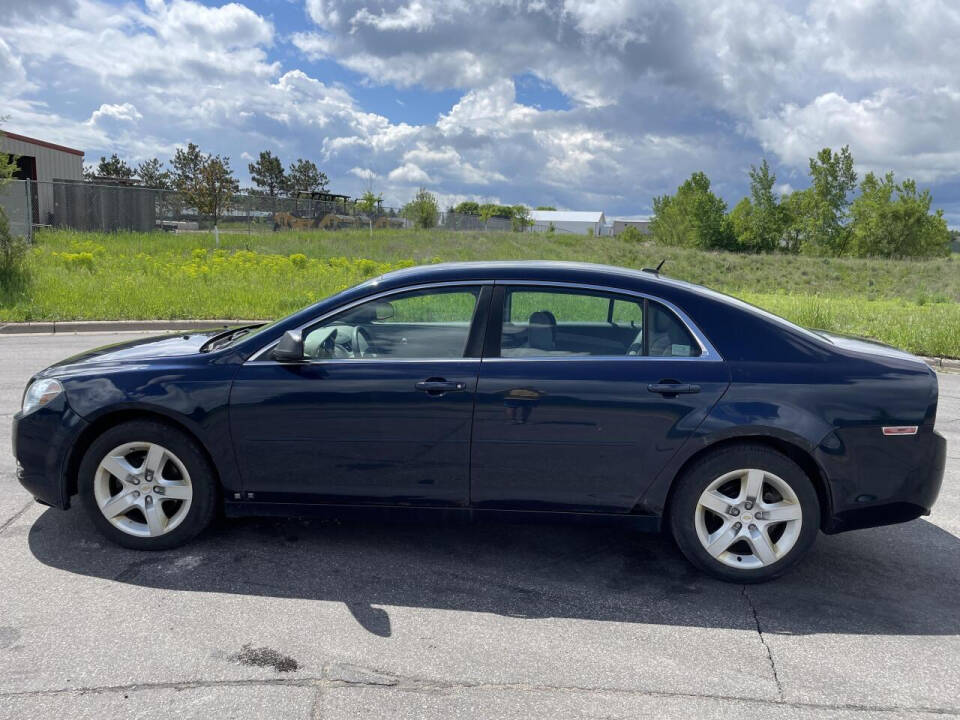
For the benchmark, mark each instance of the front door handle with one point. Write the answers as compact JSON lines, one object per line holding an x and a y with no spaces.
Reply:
{"x":671,"y":389}
{"x":438,"y":386}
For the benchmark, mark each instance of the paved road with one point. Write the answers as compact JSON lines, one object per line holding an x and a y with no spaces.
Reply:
{"x":289,"y":619}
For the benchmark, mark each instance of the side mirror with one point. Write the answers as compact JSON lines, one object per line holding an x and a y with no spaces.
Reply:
{"x":384,"y":310}
{"x":290,"y":347}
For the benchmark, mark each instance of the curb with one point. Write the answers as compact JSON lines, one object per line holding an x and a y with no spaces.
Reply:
{"x":947,"y":364}
{"x":92,"y":326}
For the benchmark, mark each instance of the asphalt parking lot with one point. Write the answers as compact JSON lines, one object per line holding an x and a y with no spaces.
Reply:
{"x":296,"y":619}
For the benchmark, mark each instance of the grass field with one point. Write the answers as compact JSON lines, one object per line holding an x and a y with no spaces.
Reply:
{"x":911,"y":304}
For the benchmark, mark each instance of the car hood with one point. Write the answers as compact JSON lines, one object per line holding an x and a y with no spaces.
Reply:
{"x":866,"y":345}
{"x":134,"y":351}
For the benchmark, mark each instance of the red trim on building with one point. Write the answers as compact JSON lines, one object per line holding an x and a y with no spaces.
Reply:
{"x":42,"y":143}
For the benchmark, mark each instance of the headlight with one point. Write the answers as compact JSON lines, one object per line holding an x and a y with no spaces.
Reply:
{"x":39,"y":394}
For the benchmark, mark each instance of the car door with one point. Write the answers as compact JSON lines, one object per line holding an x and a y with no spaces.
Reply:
{"x":583,"y":396}
{"x":380,"y":410}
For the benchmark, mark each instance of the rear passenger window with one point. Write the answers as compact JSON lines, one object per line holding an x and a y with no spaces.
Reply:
{"x":668,"y":337}
{"x":558,"y":322}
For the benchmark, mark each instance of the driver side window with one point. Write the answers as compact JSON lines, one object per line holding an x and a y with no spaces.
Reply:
{"x":423,"y":324}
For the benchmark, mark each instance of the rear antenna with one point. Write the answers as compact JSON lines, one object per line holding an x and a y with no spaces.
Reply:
{"x":656,"y":270}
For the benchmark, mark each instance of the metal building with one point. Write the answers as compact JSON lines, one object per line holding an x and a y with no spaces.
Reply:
{"x":42,"y":162}
{"x":572,"y":221}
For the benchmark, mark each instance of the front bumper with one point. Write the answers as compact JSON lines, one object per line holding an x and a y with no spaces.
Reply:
{"x":42,"y":444}
{"x":872,"y":485}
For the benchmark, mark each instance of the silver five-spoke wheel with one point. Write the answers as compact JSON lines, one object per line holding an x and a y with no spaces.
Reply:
{"x":143,"y":489}
{"x":748,"y":518}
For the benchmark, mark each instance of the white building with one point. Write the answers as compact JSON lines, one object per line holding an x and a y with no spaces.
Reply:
{"x":571,"y":221}
{"x":641,"y":224}
{"x":42,"y":162}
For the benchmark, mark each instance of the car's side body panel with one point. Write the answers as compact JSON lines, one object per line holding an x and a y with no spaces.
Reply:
{"x":827,"y":400}
{"x":354,"y":431}
{"x":582,"y":435}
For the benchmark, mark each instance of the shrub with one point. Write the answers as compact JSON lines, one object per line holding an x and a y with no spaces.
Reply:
{"x":12,"y":252}
{"x":423,"y":210}
{"x":631,"y":234}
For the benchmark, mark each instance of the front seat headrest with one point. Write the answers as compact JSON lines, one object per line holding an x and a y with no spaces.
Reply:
{"x":542,"y":333}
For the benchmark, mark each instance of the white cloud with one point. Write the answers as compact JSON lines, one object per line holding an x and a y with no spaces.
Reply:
{"x":409,"y":173}
{"x":652,"y":90}
{"x":125,"y":112}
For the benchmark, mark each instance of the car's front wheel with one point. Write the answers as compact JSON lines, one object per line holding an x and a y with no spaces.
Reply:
{"x":147,"y":486}
{"x":745,"y":513}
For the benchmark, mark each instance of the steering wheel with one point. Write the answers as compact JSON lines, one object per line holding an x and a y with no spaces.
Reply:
{"x":360,"y":343}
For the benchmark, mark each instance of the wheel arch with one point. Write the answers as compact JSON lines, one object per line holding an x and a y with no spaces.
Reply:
{"x":111,"y":419}
{"x":794,"y":451}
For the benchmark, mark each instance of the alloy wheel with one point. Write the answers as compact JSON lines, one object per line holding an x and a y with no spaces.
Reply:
{"x":143,"y":489}
{"x":748,"y":518}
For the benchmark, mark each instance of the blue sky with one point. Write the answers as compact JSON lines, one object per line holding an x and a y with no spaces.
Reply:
{"x":581,"y":104}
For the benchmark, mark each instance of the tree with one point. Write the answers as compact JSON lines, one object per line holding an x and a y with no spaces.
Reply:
{"x":186,"y":165}
{"x":423,"y":211}
{"x":758,"y":222}
{"x":205,"y":182}
{"x":369,"y":203}
{"x":545,"y":207}
{"x":267,"y":174}
{"x":520,"y":218}
{"x":694,"y":217}
{"x":467,"y":207}
{"x":902,"y":227}
{"x":12,"y":250}
{"x":819,"y":216}
{"x":153,"y":175}
{"x":113,"y":167}
{"x":215,"y":188}
{"x":305,"y":176}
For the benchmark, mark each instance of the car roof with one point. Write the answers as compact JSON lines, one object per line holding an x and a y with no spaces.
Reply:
{"x":557,"y":270}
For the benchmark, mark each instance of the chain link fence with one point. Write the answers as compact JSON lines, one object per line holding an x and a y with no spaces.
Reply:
{"x":16,"y":203}
{"x":80,"y":205}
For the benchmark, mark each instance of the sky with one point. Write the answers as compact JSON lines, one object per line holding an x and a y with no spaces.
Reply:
{"x":578,"y":104}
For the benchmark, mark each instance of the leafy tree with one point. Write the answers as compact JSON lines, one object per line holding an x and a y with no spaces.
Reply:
{"x":819,"y":215}
{"x":267,"y":174}
{"x":520,"y":218}
{"x":12,"y":250}
{"x":759,"y":221}
{"x":215,"y":187}
{"x":153,"y":175}
{"x":113,"y":167}
{"x":186,"y":168}
{"x":900,"y":227}
{"x":694,"y":217}
{"x":467,"y":207}
{"x":305,"y":176}
{"x":423,"y":211}
{"x":369,"y":203}
{"x":545,"y":207}
{"x":204,"y":182}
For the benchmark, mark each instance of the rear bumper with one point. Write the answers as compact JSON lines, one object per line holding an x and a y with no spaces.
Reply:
{"x":883,"y":488}
{"x":42,"y":443}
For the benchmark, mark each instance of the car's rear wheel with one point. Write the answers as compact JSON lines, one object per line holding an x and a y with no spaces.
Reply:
{"x":147,"y":486}
{"x":745,"y":513}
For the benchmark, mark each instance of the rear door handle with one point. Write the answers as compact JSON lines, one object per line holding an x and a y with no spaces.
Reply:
{"x":438,"y":387}
{"x":667,"y":388}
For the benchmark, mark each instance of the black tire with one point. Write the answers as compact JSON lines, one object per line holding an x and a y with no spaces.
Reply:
{"x":683,"y":509}
{"x":202,"y":479}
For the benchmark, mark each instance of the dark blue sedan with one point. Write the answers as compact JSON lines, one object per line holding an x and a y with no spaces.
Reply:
{"x":509,"y":390}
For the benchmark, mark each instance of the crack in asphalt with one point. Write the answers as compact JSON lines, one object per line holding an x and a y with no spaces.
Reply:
{"x":411,"y":684}
{"x":16,"y":516}
{"x":763,"y":641}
